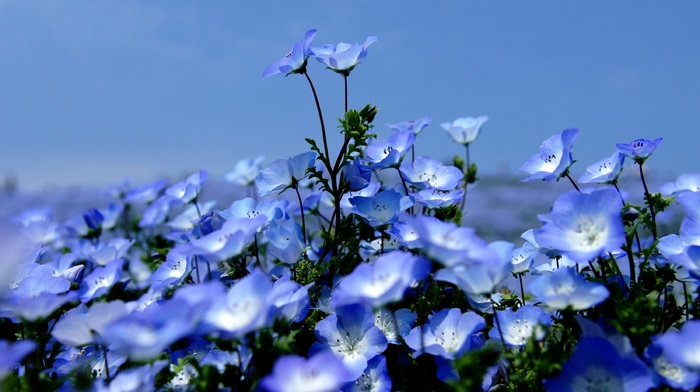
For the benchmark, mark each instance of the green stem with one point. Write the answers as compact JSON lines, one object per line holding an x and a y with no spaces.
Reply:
{"x":466,"y":178}
{"x":649,"y":201}
{"x":572,"y":181}
{"x":301,"y":208}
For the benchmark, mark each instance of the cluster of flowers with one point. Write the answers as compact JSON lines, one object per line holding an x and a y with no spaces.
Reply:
{"x":362,"y":280}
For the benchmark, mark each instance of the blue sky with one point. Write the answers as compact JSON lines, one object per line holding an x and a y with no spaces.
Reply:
{"x":95,"y":92}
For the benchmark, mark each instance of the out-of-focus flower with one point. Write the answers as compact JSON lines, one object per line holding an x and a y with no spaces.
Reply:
{"x":245,"y":171}
{"x":520,"y":326}
{"x":447,"y":334}
{"x":320,"y":373}
{"x":605,"y":171}
{"x":465,"y":130}
{"x":564,"y":288}
{"x":416,"y":126}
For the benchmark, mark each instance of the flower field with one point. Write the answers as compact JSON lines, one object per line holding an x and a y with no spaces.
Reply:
{"x":360,"y":267}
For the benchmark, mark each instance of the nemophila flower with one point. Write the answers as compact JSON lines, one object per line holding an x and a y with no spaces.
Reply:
{"x":522,"y":258}
{"x":342,"y":58}
{"x":446,"y":242}
{"x":370,"y":190}
{"x":110,"y":215}
{"x":188,"y":190}
{"x":381,"y":282}
{"x":382,"y":209}
{"x":415,"y":126}
{"x":249,"y":208}
{"x":100,"y":280}
{"x":683,"y":347}
{"x":564,"y":288}
{"x":146,"y":193}
{"x":605,"y":171}
{"x":295,"y":60}
{"x":320,"y":373}
{"x":405,"y":233}
{"x":597,"y":366}
{"x":81,"y":326}
{"x":63,"y":266}
{"x":370,"y":250}
{"x":464,"y":130}
{"x":93,"y":219}
{"x":670,"y":373}
{"x":382,"y":154}
{"x":357,"y":175}
{"x":146,"y":334}
{"x":435,"y":198}
{"x":103,"y":252}
{"x":351,"y":335}
{"x":447,"y":334}
{"x":38,"y":225}
{"x":554,"y":158}
{"x":520,"y":326}
{"x":639,"y":149}
{"x":245,"y":171}
{"x":188,"y":218}
{"x":158,"y":211}
{"x":285,"y":240}
{"x":139,"y":379}
{"x":12,"y":354}
{"x":290,"y":299}
{"x":375,"y":378}
{"x":394,"y":324}
{"x":583,"y":226}
{"x":177,"y":266}
{"x":426,"y":173}
{"x":481,"y":271}
{"x":684,"y":183}
{"x":229,"y":241}
{"x":284,"y":173}
{"x":245,"y":308}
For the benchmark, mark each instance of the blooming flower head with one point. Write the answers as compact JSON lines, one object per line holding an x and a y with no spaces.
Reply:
{"x":245,"y":171}
{"x":284,"y":173}
{"x":465,"y":130}
{"x":604,"y":171}
{"x":414,"y":125}
{"x":295,"y":60}
{"x":321,"y":372}
{"x":447,"y":334}
{"x":583,"y":226}
{"x":520,"y":326}
{"x":382,"y":154}
{"x":381,"y":209}
{"x":564,"y":288}
{"x":351,"y":335}
{"x":554,"y":158}
{"x":597,"y":366}
{"x":342,"y":58}
{"x":639,"y":149}
{"x":381,"y":282}
{"x":425,"y":173}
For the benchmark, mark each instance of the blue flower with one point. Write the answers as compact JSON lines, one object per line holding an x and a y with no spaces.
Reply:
{"x":583,"y":226}
{"x":597,"y":366}
{"x":683,"y":347}
{"x":554,"y":158}
{"x":375,"y":378}
{"x":672,"y":374}
{"x":286,"y":242}
{"x":639,"y":149}
{"x":388,"y":153}
{"x":381,"y":282}
{"x":381,"y":209}
{"x":564,"y":288}
{"x":245,"y":171}
{"x":12,"y":354}
{"x":465,"y":130}
{"x":520,"y":326}
{"x":425,"y":173}
{"x":416,"y":126}
{"x":320,"y":373}
{"x":605,"y":171}
{"x":448,"y":334}
{"x":295,"y":60}
{"x":284,"y":173}
{"x":351,"y":335}
{"x":343,"y":57}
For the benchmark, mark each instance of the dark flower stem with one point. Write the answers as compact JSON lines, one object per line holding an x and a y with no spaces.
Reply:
{"x":522,"y":290}
{"x":320,"y":116}
{"x":567,"y":175}
{"x":345,"y":81}
{"x":466,"y":178}
{"x":301,"y":208}
{"x":405,"y":187}
{"x":105,"y":350}
{"x":651,"y":205}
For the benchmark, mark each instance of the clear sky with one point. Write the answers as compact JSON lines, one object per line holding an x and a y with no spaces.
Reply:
{"x":95,"y":92}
